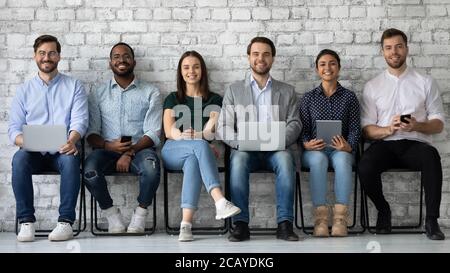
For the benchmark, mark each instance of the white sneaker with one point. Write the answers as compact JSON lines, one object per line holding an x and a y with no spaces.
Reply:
{"x":62,"y":232}
{"x":185,"y":233}
{"x":26,"y":233}
{"x":115,"y":222}
{"x":228,"y":210}
{"x":137,"y":224}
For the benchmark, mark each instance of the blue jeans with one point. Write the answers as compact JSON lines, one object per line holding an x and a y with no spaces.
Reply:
{"x":100,"y":162}
{"x":317,"y":162}
{"x":198,"y":163}
{"x":24,"y":164}
{"x":282,"y":163}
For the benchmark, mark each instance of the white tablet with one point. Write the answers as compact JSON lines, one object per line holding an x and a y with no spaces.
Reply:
{"x":327,"y":129}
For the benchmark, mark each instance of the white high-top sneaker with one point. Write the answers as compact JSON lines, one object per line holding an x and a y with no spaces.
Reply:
{"x":115,"y":222}
{"x":62,"y":232}
{"x":26,"y":233}
{"x":137,"y":224}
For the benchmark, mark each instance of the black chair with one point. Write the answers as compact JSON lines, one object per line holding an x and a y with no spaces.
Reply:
{"x":195,"y":229}
{"x":397,"y":229}
{"x":99,"y":231}
{"x":82,"y":209}
{"x":309,"y":229}
{"x":400,"y":229}
{"x":258,"y":230}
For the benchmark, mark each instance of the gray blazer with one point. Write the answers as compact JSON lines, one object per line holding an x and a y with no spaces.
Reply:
{"x":240,"y":94}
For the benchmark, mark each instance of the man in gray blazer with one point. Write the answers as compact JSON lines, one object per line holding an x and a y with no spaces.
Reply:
{"x":263,"y":99}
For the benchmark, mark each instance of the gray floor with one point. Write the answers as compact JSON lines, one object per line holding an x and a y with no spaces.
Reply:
{"x":161,"y":242}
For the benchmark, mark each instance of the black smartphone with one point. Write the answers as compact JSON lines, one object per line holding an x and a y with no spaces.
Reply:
{"x":125,"y":138}
{"x":403,"y":118}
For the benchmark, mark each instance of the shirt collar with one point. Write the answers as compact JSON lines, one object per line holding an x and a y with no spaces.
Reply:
{"x":254,"y":83}
{"x":53,"y":81}
{"x":403,"y":75}
{"x":339,"y":89}
{"x":132,"y":85}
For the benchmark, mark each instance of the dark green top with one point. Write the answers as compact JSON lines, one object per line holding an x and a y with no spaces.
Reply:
{"x":195,"y":108}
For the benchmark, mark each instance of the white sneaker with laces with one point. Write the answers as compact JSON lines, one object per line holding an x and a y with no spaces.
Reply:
{"x":115,"y":222}
{"x":62,"y":232}
{"x":185,"y":233}
{"x":137,"y":224}
{"x":228,"y":210}
{"x":26,"y":233}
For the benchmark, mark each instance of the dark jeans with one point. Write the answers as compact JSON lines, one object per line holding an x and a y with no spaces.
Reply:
{"x":24,"y":164}
{"x":100,"y":162}
{"x":383,"y":155}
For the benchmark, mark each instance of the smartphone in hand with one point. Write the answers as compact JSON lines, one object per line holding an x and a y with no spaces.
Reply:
{"x":125,"y":139}
{"x":403,"y":118}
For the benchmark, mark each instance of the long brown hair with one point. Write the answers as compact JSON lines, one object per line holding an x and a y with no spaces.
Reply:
{"x":181,"y":83}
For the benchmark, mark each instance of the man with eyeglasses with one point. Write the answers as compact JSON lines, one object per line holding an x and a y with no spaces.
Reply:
{"x":124,"y":129}
{"x":50,"y":98}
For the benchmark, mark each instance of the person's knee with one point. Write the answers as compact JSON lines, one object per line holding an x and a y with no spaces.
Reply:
{"x":284,"y":161}
{"x":342,"y":160}
{"x":69,"y":160}
{"x":21,"y":158}
{"x":239,"y":160}
{"x":316,"y":160}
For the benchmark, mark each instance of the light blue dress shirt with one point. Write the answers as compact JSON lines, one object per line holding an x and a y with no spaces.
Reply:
{"x":134,"y":111}
{"x":62,"y":102}
{"x":262,"y":99}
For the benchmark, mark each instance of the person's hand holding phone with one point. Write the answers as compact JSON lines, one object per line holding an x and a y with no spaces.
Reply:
{"x":119,"y":146}
{"x":408,"y":123}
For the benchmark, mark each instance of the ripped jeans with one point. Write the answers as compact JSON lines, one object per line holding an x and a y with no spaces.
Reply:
{"x":100,"y":162}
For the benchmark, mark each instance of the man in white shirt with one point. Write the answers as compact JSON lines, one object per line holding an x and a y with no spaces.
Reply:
{"x":401,"y":109}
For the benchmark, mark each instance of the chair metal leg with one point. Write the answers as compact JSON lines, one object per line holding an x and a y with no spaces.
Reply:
{"x":195,"y":230}
{"x":399,"y":229}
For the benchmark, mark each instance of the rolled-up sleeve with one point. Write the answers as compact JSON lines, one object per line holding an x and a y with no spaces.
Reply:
{"x":153,"y":117}
{"x":433,"y":103}
{"x":16,"y":116}
{"x":79,"y":118}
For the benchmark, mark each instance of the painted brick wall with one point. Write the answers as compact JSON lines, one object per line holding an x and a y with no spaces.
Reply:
{"x":160,"y":31}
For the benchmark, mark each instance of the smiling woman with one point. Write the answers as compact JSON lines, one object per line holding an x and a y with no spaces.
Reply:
{"x":330,"y":101}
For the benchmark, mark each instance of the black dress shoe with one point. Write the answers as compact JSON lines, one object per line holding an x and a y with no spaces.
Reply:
{"x":285,"y":231}
{"x":432,"y":230}
{"x":384,"y":225}
{"x":240,"y":232}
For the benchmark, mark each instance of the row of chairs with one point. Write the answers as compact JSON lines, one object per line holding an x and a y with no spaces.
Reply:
{"x":97,"y":230}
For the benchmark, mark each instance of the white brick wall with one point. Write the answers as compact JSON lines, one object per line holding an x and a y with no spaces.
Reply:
{"x":220,"y":30}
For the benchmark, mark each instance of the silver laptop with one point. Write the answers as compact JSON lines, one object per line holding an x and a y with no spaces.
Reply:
{"x":262,"y":136}
{"x":327,"y":129}
{"x":44,"y":138}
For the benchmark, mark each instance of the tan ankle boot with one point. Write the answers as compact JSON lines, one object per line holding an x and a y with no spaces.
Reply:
{"x":321,"y":222}
{"x":340,"y":221}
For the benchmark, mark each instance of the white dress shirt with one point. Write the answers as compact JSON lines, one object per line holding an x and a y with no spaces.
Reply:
{"x":262,"y":99}
{"x":411,"y":93}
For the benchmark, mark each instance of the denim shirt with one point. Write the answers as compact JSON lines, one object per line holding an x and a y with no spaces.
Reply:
{"x":134,"y":111}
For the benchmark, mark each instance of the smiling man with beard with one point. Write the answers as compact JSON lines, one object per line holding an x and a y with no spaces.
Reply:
{"x":401,"y":141}
{"x":124,"y":130}
{"x":262,"y":99}
{"x":50,"y":98}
